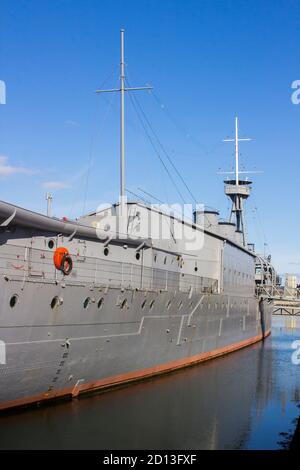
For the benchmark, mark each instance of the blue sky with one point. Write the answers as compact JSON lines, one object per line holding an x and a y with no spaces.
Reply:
{"x":208,"y":61}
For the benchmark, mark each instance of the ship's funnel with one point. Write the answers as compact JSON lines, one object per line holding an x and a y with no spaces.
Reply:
{"x":239,"y":237}
{"x":207,"y":219}
{"x":227,"y":230}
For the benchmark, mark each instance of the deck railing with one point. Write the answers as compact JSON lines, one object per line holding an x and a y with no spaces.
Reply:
{"x":32,"y":263}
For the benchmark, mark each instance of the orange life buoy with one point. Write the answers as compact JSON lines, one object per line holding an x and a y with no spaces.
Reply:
{"x":58,"y":256}
{"x":62,"y":260}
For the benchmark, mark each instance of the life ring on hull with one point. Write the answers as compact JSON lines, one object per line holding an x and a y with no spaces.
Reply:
{"x":63,"y":261}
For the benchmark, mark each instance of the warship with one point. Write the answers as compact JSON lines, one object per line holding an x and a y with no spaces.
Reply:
{"x":124,"y":293}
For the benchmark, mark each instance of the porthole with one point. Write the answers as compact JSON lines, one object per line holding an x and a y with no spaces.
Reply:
{"x":106,"y":251}
{"x":151,"y":304}
{"x":86,"y":303}
{"x":195,"y":268}
{"x":155,"y":258}
{"x":54,"y":302}
{"x":51,"y":244}
{"x":165,"y":260}
{"x":168,"y":304}
{"x":123,"y":304}
{"x":138,"y":255}
{"x":13,"y":300}
{"x":100,"y":303}
{"x":144,"y":303}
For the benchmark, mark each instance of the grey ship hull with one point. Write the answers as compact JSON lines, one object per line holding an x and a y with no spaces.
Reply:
{"x":131,"y":327}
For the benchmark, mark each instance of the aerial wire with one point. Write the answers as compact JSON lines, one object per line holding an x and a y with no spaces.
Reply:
{"x":163,"y":149}
{"x":154,"y":147}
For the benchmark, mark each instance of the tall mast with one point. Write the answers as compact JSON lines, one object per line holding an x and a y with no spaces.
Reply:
{"x":122,"y":130}
{"x":236,"y":141}
{"x":236,"y":152}
{"x":123,"y":88}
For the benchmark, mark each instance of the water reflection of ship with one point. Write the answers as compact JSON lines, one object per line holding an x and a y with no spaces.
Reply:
{"x":277,"y":376}
{"x":291,"y":323}
{"x":264,"y":383}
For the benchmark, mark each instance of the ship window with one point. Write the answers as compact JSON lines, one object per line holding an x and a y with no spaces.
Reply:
{"x":100,"y":303}
{"x":106,"y":251}
{"x":165,"y":260}
{"x":54,"y":302}
{"x":137,"y":256}
{"x":168,"y":304}
{"x":155,"y":258}
{"x":123,"y":304}
{"x":86,"y":303}
{"x":144,"y":303}
{"x":151,"y":304}
{"x":51,"y":244}
{"x":13,"y":300}
{"x":196,"y":268}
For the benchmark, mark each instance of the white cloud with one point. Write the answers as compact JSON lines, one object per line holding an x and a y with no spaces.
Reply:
{"x":56,"y":185}
{"x":71,"y":123}
{"x":8,"y":170}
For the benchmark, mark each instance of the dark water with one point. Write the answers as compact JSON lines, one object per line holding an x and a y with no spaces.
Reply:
{"x":247,"y":400}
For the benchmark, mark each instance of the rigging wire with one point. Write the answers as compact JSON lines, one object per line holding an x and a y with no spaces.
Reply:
{"x":256,"y":228}
{"x":151,"y":195}
{"x":140,"y":198}
{"x":161,"y":202}
{"x":86,"y":182}
{"x":154,"y":147}
{"x":187,"y":134}
{"x":260,"y":225}
{"x":163,"y":148}
{"x":110,"y":102}
{"x":168,"y":157}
